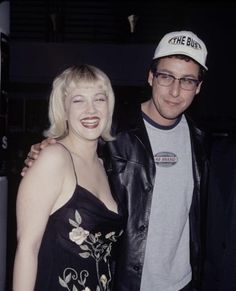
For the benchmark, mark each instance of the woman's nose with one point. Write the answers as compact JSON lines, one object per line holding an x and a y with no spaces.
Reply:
{"x":91,"y":107}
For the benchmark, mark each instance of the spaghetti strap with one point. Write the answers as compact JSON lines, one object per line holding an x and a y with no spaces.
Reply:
{"x":71,"y":160}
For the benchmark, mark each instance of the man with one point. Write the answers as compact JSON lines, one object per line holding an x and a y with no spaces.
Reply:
{"x":158,"y":167}
{"x":220,"y":263}
{"x":159,"y":159}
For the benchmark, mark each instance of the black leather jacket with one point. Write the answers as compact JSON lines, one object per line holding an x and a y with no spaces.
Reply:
{"x":131,"y":171}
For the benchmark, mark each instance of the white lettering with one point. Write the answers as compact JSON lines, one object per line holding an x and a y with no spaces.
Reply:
{"x":4,"y":142}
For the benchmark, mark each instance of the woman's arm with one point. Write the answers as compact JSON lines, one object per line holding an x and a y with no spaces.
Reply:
{"x":37,"y":194}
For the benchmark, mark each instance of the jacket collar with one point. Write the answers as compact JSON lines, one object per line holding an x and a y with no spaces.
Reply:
{"x":131,"y":119}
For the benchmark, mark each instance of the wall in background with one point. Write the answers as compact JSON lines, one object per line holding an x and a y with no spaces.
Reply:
{"x":47,"y":36}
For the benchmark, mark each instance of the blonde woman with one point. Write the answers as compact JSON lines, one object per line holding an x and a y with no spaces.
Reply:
{"x":68,"y":221}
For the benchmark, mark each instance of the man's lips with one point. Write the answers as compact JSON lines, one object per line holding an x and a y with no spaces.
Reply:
{"x":171,"y":103}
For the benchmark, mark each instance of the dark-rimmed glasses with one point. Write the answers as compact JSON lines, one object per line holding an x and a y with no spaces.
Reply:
{"x":166,"y":80}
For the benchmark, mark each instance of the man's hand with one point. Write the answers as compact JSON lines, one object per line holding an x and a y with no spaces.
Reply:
{"x":34,"y":153}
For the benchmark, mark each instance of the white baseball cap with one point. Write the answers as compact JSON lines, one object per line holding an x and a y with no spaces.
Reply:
{"x":182,"y":43}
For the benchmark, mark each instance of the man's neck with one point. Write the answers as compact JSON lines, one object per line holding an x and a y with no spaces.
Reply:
{"x":149,"y":109}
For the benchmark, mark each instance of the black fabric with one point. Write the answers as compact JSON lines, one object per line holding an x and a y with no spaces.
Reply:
{"x":220,"y":263}
{"x":88,"y":260}
{"x":131,"y":170}
{"x":187,"y":287}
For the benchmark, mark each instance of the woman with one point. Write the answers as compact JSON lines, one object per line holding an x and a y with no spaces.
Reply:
{"x":68,"y":223}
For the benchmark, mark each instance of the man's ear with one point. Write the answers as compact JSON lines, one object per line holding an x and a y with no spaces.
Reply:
{"x":150,"y":78}
{"x":198,"y":88}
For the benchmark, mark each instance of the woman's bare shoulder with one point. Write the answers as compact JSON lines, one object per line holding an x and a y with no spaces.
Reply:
{"x":55,"y":152}
{"x":52,"y":158}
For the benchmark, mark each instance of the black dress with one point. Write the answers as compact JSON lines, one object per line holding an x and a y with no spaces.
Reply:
{"x":78,"y":248}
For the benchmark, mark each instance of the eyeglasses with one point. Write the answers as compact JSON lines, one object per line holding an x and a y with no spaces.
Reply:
{"x":166,"y":80}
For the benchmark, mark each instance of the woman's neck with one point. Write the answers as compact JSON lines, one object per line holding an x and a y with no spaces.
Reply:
{"x":85,"y":149}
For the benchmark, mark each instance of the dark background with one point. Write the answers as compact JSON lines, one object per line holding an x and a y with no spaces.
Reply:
{"x":48,"y":36}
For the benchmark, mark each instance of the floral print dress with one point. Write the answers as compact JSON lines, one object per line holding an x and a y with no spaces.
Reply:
{"x":79,"y":245}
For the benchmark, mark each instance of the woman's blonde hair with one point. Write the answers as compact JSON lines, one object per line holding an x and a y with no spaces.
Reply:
{"x":68,"y":80}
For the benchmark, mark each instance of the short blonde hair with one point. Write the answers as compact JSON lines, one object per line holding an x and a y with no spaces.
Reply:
{"x":68,"y":80}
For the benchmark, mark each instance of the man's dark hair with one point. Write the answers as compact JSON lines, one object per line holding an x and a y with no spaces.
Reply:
{"x":155,"y":62}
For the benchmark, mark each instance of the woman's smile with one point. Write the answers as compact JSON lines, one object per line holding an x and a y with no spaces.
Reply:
{"x":90,"y":122}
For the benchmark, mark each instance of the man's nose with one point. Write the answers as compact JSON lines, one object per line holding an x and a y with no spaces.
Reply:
{"x":175,"y":88}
